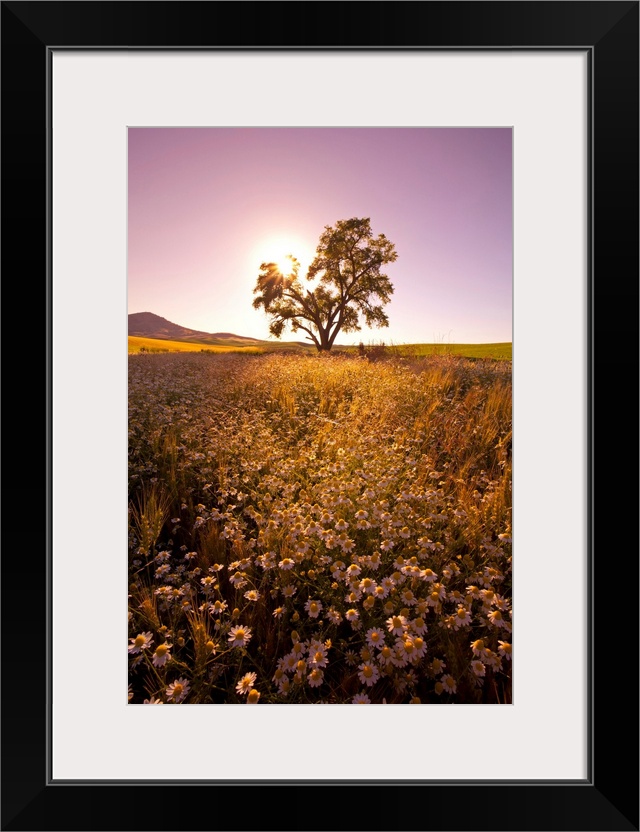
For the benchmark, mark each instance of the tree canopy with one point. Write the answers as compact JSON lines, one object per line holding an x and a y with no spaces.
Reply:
{"x":348,"y":285}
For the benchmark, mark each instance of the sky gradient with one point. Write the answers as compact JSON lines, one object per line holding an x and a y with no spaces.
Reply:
{"x":206,"y":206}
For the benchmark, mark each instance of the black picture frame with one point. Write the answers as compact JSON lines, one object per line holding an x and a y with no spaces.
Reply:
{"x":608,"y":798}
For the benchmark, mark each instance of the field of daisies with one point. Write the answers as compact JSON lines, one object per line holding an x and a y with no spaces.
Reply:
{"x":319,"y":529}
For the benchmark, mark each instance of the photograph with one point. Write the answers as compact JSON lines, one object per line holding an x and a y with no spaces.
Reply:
{"x":376,"y":266}
{"x":319,"y":415}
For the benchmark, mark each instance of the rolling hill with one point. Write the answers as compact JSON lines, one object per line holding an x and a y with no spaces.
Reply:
{"x":148,"y":325}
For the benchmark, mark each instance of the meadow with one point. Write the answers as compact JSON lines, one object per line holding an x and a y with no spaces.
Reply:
{"x":319,"y":529}
{"x":501,"y":351}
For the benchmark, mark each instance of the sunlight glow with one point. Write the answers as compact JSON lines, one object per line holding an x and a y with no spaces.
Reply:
{"x":279,"y":249}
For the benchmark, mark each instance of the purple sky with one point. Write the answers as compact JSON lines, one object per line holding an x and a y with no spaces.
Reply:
{"x":208,"y":205}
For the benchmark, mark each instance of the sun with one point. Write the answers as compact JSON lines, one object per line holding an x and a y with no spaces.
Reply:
{"x":280,"y":250}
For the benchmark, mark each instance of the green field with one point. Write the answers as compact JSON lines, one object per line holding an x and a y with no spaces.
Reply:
{"x":156,"y":345}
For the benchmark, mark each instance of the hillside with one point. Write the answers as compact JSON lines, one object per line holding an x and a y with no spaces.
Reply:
{"x":149,"y":325}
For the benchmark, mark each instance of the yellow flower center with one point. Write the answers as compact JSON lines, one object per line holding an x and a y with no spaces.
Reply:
{"x":462,"y":613}
{"x":177,"y":689}
{"x":240,"y":633}
{"x":253,"y":696}
{"x":418,"y":642}
{"x":396,"y":622}
{"x":367,"y":671}
{"x":161,"y":649}
{"x":140,"y":640}
{"x":313,"y":607}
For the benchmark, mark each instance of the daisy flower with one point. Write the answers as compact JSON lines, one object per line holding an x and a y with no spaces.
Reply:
{"x":368,"y":585}
{"x":437,"y":666}
{"x":161,"y":655}
{"x":246,"y":683}
{"x":462,"y":618}
{"x":218,"y":607}
{"x":286,"y":563}
{"x":178,"y":690}
{"x":352,"y":615}
{"x":252,"y":595}
{"x":368,"y":674}
{"x":318,"y":657}
{"x":140,"y":642}
{"x":504,"y":648}
{"x":153,"y":701}
{"x":449,"y":683}
{"x":315,"y":678}
{"x":396,"y":624}
{"x":240,"y":635}
{"x":253,"y":696}
{"x":385,"y":656}
{"x":478,"y":667}
{"x":496,"y":618}
{"x":334,"y":616}
{"x":313,"y":608}
{"x":361,"y":699}
{"x":278,"y":612}
{"x":375,"y":637}
{"x":289,"y":591}
{"x":477,"y":647}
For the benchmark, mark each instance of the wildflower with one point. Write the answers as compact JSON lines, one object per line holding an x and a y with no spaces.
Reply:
{"x":477,"y":647}
{"x":153,"y":701}
{"x":449,"y":683}
{"x":437,"y":666}
{"x":178,"y":690}
{"x":289,"y":590}
{"x":478,"y":667}
{"x":361,"y":699}
{"x":286,"y":563}
{"x":313,"y":608}
{"x":239,"y":636}
{"x":334,"y":616}
{"x":462,"y":618}
{"x":375,"y":637}
{"x":253,"y":696}
{"x":352,"y":615}
{"x":246,"y":683}
{"x":396,"y":624}
{"x":315,"y":678}
{"x":218,"y":607}
{"x":278,"y":612}
{"x":496,"y":618}
{"x":368,"y":585}
{"x":140,"y":642}
{"x":252,"y":595}
{"x":504,"y":648}
{"x":385,"y":657}
{"x":368,"y":674}
{"x":161,"y":655}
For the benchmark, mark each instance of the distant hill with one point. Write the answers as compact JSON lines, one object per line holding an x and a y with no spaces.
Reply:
{"x":148,"y":325}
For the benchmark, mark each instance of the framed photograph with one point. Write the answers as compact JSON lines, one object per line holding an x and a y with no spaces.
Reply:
{"x":240,"y":534}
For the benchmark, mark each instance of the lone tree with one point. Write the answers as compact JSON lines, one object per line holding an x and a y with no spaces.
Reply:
{"x":347,"y":285}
